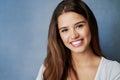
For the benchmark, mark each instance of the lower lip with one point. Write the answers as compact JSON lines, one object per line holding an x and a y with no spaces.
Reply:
{"x":77,"y":45}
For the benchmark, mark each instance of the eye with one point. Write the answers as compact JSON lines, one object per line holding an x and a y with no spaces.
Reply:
{"x":64,"y":30}
{"x":79,"y":26}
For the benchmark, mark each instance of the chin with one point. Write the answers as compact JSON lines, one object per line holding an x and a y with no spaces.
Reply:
{"x":78,"y":51}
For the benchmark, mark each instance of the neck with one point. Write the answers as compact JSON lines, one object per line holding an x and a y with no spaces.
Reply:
{"x":84,"y":59}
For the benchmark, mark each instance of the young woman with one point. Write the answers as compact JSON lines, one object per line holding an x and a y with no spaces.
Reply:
{"x":73,"y":51}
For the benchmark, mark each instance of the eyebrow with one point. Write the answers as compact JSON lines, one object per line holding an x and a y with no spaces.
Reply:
{"x":64,"y":27}
{"x":80,"y":22}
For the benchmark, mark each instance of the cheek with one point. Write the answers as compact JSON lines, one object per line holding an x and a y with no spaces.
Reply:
{"x":86,"y":33}
{"x":64,"y":37}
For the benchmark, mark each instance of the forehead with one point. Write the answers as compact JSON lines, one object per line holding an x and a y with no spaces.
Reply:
{"x":69,"y":18}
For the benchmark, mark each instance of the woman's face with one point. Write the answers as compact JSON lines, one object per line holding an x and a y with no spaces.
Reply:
{"x":74,"y":32}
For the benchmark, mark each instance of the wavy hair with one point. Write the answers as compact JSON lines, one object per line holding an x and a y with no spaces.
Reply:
{"x":58,"y":62}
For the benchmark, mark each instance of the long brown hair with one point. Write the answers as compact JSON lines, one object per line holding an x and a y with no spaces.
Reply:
{"x":59,"y":61}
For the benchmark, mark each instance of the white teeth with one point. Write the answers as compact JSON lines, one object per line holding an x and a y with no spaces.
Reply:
{"x":75,"y":43}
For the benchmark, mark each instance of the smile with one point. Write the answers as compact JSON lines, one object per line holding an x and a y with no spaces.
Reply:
{"x":77,"y":43}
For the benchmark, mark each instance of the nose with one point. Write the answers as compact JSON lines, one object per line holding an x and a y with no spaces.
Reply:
{"x":74,"y":34}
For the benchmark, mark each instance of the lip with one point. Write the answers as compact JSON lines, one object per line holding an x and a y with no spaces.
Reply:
{"x":77,"y":43}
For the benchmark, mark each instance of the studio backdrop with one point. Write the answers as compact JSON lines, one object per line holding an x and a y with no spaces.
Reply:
{"x":24,"y":28}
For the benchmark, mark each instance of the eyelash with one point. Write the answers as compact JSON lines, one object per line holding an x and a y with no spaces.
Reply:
{"x":64,"y":30}
{"x":79,"y":26}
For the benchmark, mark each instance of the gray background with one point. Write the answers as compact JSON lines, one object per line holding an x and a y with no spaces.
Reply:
{"x":23,"y":34}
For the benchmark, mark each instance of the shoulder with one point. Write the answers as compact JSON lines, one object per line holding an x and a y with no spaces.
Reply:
{"x":112,"y":69}
{"x":110,"y":64}
{"x":40,"y":73}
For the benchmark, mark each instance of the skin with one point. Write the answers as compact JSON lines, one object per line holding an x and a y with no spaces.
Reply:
{"x":76,"y":36}
{"x":74,"y":31}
